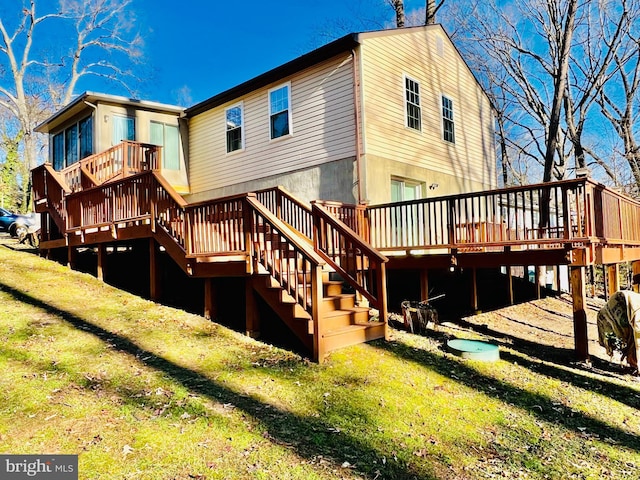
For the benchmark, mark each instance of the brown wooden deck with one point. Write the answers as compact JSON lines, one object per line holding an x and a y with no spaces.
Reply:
{"x":287,"y":248}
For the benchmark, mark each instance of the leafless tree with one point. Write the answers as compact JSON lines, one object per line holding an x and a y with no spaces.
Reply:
{"x":619,"y":99}
{"x":398,"y":7}
{"x":97,"y":37}
{"x":431,"y":8}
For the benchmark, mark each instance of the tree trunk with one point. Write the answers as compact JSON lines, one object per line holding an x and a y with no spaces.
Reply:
{"x":430,"y":15}
{"x":398,"y":7}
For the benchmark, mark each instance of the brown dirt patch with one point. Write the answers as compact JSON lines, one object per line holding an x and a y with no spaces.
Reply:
{"x":542,"y":328}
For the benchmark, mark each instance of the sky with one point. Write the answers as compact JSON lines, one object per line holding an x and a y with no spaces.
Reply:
{"x":195,"y":49}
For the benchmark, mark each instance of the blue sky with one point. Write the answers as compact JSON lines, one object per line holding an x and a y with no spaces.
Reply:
{"x":195,"y":49}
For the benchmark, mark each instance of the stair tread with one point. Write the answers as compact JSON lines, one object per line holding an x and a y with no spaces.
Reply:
{"x":348,"y":328}
{"x":336,"y":313}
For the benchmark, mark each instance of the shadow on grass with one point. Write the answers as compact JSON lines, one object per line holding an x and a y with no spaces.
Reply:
{"x":561,"y":357}
{"x":309,"y":436}
{"x":541,"y":406}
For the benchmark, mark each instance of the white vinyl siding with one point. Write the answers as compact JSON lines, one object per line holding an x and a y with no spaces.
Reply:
{"x":322,"y":110}
{"x":414,"y":53}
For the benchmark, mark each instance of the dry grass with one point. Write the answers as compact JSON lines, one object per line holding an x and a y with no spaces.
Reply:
{"x":142,"y":391}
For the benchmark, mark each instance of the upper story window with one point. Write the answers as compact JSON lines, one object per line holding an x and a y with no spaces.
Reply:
{"x":234,"y":119}
{"x":123,"y":129}
{"x":168,"y":137}
{"x":72,"y":144}
{"x":448,"y":126}
{"x":412,"y":100}
{"x":280,"y":111}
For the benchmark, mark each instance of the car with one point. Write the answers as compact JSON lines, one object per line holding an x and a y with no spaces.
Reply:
{"x":15,"y":224}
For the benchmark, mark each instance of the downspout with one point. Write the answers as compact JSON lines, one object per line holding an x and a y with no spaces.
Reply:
{"x":356,"y":103}
{"x":94,"y":135}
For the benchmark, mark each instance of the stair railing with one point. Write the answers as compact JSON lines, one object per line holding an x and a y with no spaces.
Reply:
{"x":49,"y":194}
{"x":355,"y":260}
{"x":288,"y":209}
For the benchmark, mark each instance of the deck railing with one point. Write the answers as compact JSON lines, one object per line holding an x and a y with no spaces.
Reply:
{"x":216,"y":226}
{"x":616,"y":217}
{"x":509,"y":216}
{"x":288,"y":209}
{"x":126,"y":158}
{"x":49,"y":194}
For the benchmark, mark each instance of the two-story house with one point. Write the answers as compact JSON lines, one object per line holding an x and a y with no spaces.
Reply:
{"x":388,"y":119}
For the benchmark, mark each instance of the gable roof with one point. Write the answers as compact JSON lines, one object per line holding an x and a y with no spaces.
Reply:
{"x":85,"y":99}
{"x":343,"y":44}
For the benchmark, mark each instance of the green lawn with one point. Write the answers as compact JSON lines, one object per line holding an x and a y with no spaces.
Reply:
{"x":143,"y":391}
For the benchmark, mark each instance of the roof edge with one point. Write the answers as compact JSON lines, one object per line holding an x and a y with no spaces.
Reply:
{"x":343,"y":44}
{"x":89,"y":96}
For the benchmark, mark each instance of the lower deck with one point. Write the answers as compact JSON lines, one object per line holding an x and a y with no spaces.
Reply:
{"x":287,"y":254}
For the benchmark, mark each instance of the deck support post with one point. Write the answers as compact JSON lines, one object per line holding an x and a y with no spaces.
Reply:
{"x":102,"y":262}
{"x":424,"y":285}
{"x":155,"y":283}
{"x":474,"y":290}
{"x":210,"y":300}
{"x":613,"y":279}
{"x":539,"y":280}
{"x":252,"y":314}
{"x":635,"y":270}
{"x":578,"y":294}
{"x":510,"y":280}
{"x":72,"y":257}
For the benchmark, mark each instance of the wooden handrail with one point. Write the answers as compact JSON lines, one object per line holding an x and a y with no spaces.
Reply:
{"x":48,"y":187}
{"x":502,"y":216}
{"x":286,"y":230}
{"x":292,"y":262}
{"x":124,"y":159}
{"x":353,"y":258}
{"x":288,"y":209}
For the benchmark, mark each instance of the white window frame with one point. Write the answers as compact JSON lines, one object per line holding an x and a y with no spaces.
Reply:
{"x":407,"y":102}
{"x":417,"y":185}
{"x":164,"y":144}
{"x":289,"y":115}
{"x":239,"y":105}
{"x":446,"y":118}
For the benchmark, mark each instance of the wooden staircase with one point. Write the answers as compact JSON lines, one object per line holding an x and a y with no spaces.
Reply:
{"x":296,"y":258}
{"x":342,"y":322}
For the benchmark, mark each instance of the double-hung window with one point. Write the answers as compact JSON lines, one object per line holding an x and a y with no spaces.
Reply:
{"x":168,"y":137}
{"x":280,"y":111}
{"x":412,"y":101}
{"x":448,"y":126}
{"x":235,"y":127}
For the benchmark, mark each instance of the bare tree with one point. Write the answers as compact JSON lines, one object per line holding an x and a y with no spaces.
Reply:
{"x":398,"y":7}
{"x":431,"y":8}
{"x":96,"y":30}
{"x":620,"y":101}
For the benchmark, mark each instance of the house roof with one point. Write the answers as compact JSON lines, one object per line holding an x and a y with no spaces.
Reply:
{"x":81,"y":102}
{"x":343,"y":44}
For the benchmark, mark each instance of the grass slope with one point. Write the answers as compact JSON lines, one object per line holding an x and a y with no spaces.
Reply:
{"x":142,"y":391}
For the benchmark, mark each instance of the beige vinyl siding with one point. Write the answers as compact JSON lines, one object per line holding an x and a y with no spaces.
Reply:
{"x":386,"y":59}
{"x":322,"y":130}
